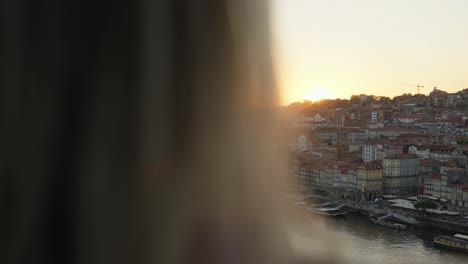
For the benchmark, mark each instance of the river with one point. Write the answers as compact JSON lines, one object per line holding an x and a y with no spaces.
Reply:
{"x":353,"y":239}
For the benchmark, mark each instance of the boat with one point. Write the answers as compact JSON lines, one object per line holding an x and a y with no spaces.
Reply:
{"x":388,"y":224}
{"x":408,"y":220}
{"x":301,"y":204}
{"x":381,"y":219}
{"x":457,"y":242}
{"x":328,"y":211}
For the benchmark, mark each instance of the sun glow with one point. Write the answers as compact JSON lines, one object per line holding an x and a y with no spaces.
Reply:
{"x":318,"y":93}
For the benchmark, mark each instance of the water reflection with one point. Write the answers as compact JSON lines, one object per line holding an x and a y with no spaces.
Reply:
{"x":354,"y":239}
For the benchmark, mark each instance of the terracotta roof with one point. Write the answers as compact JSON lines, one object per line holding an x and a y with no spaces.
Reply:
{"x":458,"y":185}
{"x":452,"y":119}
{"x":446,"y":147}
{"x":451,"y":164}
{"x":408,"y":116}
{"x":416,"y":135}
{"x":425,"y":162}
{"x":435,"y":176}
{"x":371,"y":166}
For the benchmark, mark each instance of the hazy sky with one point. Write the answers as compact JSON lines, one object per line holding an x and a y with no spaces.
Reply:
{"x":336,"y":48}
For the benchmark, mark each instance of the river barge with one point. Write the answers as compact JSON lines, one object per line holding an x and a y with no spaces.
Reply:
{"x":328,"y":211}
{"x":386,"y":220}
{"x":388,"y":224}
{"x":457,"y":242}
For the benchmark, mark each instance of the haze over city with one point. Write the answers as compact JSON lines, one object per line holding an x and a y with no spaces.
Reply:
{"x":337,"y":48}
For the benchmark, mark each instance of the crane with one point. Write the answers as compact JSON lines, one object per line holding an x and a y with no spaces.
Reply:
{"x":415,"y":85}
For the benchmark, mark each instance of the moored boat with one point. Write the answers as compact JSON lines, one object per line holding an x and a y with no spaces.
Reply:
{"x":457,"y":242}
{"x":388,"y":224}
{"x":328,"y":211}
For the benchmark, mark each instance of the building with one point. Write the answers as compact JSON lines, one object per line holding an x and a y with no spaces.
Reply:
{"x":342,"y":151}
{"x":439,"y":152}
{"x":407,"y":119}
{"x":305,"y":175}
{"x":465,"y":197}
{"x":438,"y":98}
{"x":455,"y":192}
{"x":318,"y":176}
{"x":429,"y":165}
{"x":422,"y":152}
{"x":302,"y":143}
{"x":372,"y":152}
{"x":432,"y":184}
{"x":389,"y":132}
{"x":352,"y":183}
{"x":401,"y":174}
{"x":374,"y":117}
{"x":334,"y":135}
{"x":369,"y":181}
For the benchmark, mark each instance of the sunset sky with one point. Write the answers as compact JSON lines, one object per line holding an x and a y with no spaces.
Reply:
{"x":336,"y":48}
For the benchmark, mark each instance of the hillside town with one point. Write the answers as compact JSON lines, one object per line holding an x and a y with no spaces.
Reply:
{"x":369,"y":147}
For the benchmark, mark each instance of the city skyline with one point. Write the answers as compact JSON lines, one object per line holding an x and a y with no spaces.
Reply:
{"x":334,"y":49}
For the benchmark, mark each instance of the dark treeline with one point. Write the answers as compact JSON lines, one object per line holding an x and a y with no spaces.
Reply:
{"x":307,"y":107}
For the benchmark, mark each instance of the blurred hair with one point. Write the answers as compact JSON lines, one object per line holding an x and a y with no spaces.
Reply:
{"x":138,"y":132}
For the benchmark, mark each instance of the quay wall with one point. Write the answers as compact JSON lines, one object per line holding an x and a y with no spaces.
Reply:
{"x":365,"y":209}
{"x":425,"y":221}
{"x":436,"y":223}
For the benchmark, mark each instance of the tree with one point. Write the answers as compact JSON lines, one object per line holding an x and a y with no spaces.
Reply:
{"x":354,"y":99}
{"x":426,"y":204}
{"x":371,"y":99}
{"x":384,"y":100}
{"x":463,"y":141}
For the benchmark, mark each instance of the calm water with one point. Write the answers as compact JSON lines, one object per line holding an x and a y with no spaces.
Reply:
{"x":355,"y":240}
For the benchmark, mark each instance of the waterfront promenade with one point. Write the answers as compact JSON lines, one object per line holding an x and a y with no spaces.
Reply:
{"x":455,"y":223}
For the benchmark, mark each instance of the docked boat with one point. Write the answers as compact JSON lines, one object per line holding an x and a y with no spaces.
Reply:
{"x":301,"y":204}
{"x":388,"y":224}
{"x":457,"y":242}
{"x":383,"y":220}
{"x":328,"y":211}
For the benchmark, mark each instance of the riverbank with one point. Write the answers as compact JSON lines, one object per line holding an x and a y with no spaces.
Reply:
{"x":424,"y":221}
{"x":415,"y":218}
{"x":441,"y":224}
